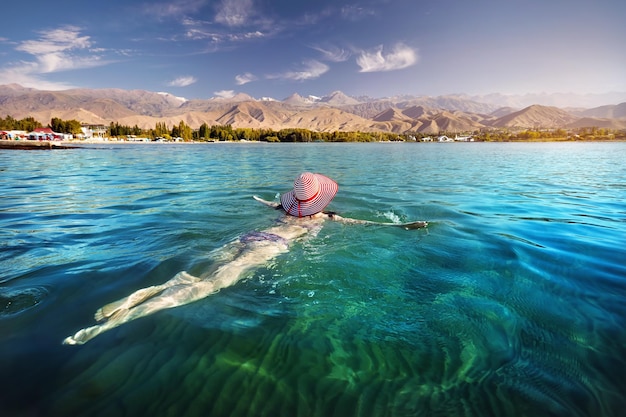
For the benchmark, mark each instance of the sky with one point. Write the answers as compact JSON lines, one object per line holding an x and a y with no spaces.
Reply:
{"x":274,"y":48}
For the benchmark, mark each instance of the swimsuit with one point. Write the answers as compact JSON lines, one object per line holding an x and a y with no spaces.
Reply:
{"x":261,"y":237}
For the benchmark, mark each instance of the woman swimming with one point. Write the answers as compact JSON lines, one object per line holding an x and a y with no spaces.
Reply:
{"x":304,"y":207}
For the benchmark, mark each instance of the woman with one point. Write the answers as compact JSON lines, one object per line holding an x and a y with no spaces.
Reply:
{"x":303,"y":206}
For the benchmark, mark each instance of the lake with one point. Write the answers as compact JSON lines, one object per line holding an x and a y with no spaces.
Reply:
{"x":512,"y":302}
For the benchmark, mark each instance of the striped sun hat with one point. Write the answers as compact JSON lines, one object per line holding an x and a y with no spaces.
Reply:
{"x":311,"y":194}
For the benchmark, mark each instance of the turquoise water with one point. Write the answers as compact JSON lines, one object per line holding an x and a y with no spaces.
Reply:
{"x":511,"y":302}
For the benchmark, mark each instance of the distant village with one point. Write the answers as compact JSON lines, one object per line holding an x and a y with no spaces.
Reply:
{"x":444,"y":138}
{"x":88,"y":133}
{"x":46,"y":133}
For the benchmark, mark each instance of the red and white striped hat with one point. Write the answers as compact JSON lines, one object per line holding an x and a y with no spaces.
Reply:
{"x":311,"y":194}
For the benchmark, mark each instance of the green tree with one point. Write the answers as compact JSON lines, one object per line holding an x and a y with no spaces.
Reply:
{"x":57,"y":125}
{"x":203,"y":132}
{"x":222,"y":132}
{"x":185,"y":131}
{"x":28,"y":124}
{"x":9,"y":123}
{"x":161,"y":130}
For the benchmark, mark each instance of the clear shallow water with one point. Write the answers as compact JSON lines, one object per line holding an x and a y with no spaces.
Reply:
{"x":510,"y":303}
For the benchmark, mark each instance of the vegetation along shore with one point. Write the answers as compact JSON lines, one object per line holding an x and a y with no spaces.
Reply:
{"x":28,"y":131}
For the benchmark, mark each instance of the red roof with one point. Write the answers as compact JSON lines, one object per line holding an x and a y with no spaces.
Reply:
{"x":44,"y":130}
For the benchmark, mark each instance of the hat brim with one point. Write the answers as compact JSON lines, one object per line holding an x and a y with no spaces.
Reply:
{"x":294,"y":207}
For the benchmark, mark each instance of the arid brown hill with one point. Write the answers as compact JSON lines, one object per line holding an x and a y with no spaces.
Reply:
{"x":335,"y":112}
{"x":535,"y":116}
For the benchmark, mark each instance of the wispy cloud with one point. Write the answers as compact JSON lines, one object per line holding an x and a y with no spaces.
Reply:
{"x":218,"y":37}
{"x":234,"y":12}
{"x":204,"y":32}
{"x":224,"y":93}
{"x":333,"y":53}
{"x":173,"y":9}
{"x":226,"y":23}
{"x":56,"y":50}
{"x":311,"y":69}
{"x":246,"y":78}
{"x":25,"y":74}
{"x":355,"y":12}
{"x":183,"y":81}
{"x":401,"y":56}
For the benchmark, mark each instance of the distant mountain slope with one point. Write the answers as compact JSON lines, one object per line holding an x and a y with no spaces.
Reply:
{"x":560,"y":100}
{"x":420,"y":119}
{"x":328,"y":119}
{"x":616,"y":111}
{"x":337,"y":98}
{"x":297,"y":100}
{"x":597,"y":122}
{"x":503,"y":111}
{"x":535,"y":116}
{"x":415,"y":112}
{"x":333,"y":112}
{"x":391,"y":114}
{"x":450,"y":102}
{"x":253,"y":114}
{"x":369,"y":109}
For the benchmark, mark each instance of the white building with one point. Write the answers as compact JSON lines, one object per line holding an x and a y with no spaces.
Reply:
{"x":93,"y":131}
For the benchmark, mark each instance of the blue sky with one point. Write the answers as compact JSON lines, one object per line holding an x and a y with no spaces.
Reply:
{"x":273,"y":48}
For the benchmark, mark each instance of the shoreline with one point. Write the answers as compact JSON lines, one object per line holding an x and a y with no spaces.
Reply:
{"x":34,"y":144}
{"x":75,"y":144}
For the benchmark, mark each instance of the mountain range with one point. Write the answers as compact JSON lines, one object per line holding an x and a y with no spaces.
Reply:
{"x":333,"y":112}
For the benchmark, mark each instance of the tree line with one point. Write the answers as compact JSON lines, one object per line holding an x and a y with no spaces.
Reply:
{"x":29,"y":124}
{"x":228,"y":133}
{"x":204,"y":133}
{"x":530,"y":135}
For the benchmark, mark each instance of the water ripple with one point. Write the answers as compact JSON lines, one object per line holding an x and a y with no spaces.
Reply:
{"x":510,"y":303}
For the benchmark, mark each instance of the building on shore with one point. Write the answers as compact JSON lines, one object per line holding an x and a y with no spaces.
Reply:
{"x":13,"y":134}
{"x":93,"y":131}
{"x":45,"y":133}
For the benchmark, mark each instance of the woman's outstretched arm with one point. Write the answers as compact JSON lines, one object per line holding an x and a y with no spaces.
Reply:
{"x":271,"y":204}
{"x":410,"y":225}
{"x":335,"y":217}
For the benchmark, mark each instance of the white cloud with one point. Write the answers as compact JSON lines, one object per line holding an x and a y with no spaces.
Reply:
{"x":242,"y":79}
{"x":233,"y":22}
{"x":401,"y":56}
{"x":311,"y":69}
{"x":356,"y":12}
{"x":57,"y":40}
{"x":333,"y":53}
{"x":54,"y":51}
{"x":60,"y":49}
{"x":183,"y":81}
{"x":234,"y":12}
{"x":176,"y":8}
{"x":224,"y":93}
{"x":247,"y":35}
{"x":25,"y":74}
